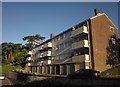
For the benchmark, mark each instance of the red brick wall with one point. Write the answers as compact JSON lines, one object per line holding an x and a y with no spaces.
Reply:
{"x":100,"y":32}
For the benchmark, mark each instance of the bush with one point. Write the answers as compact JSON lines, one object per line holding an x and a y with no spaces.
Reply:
{"x":8,"y":67}
{"x":112,"y":71}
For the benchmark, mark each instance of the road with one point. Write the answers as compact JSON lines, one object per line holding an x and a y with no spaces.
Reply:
{"x":6,"y":81}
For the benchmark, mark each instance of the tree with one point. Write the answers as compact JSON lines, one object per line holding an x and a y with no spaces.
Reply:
{"x":7,"y":51}
{"x":112,"y":51}
{"x":20,"y":57}
{"x":13,"y":53}
{"x":33,"y":40}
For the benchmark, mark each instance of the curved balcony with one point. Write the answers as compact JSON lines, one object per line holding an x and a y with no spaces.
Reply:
{"x":47,"y":62}
{"x":81,"y":58}
{"x":29,"y":58}
{"x":80,"y":44}
{"x":45,"y":46}
{"x":78,"y":31}
{"x":30,"y":53}
{"x":45,"y":54}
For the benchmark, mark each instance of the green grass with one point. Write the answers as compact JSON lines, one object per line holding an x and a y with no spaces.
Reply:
{"x":7,"y":68}
{"x":112,"y":71}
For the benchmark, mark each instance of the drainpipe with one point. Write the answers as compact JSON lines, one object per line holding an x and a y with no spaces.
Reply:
{"x":91,"y":67}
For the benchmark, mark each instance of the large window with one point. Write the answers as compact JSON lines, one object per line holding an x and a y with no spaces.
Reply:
{"x":56,"y":47}
{"x":67,"y":34}
{"x":62,"y":56}
{"x":80,"y":38}
{"x":56,"y":39}
{"x":113,"y":40}
{"x":62,"y":46}
{"x":68,"y":44}
{"x":61,"y":36}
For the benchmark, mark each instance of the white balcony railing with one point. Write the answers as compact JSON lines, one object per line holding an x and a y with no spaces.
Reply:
{"x":45,"y":54}
{"x":29,"y":64}
{"x":46,"y":45}
{"x":81,"y":58}
{"x":48,"y":53}
{"x":47,"y":62}
{"x":29,"y":58}
{"x":83,"y":43}
{"x":30,"y":53}
{"x":80,"y":30}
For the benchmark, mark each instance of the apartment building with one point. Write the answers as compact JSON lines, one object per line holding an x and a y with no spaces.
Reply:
{"x":119,"y":48}
{"x":82,"y":46}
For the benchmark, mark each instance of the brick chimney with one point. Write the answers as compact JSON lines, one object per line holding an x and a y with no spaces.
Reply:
{"x":52,"y":36}
{"x":97,"y":11}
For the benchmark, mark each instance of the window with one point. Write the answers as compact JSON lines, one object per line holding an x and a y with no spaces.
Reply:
{"x":62,"y":36}
{"x":67,"y":34}
{"x":61,"y":46}
{"x":56,"y":48}
{"x":62,"y":56}
{"x":111,"y":29}
{"x":113,"y":40}
{"x":67,"y":44}
{"x":56,"y":39}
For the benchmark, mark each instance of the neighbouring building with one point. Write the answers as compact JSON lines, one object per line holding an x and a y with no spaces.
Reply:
{"x":82,"y":46}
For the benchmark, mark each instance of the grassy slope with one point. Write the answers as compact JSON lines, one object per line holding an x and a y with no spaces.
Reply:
{"x":113,"y":71}
{"x":7,"y":68}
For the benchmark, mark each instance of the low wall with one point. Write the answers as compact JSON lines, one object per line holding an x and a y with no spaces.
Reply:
{"x":23,"y":78}
{"x":28,"y":79}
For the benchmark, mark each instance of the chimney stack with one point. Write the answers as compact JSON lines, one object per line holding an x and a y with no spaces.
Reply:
{"x":52,"y":36}
{"x":97,"y":11}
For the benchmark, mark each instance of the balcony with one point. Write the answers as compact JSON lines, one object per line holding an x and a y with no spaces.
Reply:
{"x":81,"y":58}
{"x":30,"y":53}
{"x":29,"y":58}
{"x":47,"y":53}
{"x":46,"y":62}
{"x":46,"y":45}
{"x":28,"y":64}
{"x":78,"y":31}
{"x":80,"y":44}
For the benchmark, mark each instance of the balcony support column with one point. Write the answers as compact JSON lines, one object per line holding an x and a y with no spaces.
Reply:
{"x":42,"y":69}
{"x":55,"y":70}
{"x":61,"y":69}
{"x":77,"y":67}
{"x":51,"y":69}
{"x":38,"y":69}
{"x":68,"y":69}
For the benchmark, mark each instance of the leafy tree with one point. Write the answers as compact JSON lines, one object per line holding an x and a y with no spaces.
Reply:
{"x":13,"y":53}
{"x":7,"y":51}
{"x":112,"y":51}
{"x":33,"y":40}
{"x":20,"y":57}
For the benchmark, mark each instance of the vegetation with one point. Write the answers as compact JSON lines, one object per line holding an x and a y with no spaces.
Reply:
{"x":113,"y":52}
{"x":14,"y":55}
{"x":33,"y":40}
{"x":8,"y":67}
{"x":112,"y":71}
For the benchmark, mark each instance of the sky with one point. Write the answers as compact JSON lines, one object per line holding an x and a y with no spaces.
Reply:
{"x":20,"y":19}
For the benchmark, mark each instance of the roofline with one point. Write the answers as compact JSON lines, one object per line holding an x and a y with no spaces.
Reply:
{"x":100,"y":14}
{"x":106,"y":16}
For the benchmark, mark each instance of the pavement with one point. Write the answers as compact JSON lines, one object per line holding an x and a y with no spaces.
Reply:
{"x":6,"y":81}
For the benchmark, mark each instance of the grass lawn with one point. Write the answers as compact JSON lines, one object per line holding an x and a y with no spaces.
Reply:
{"x":112,"y":71}
{"x":7,"y":68}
